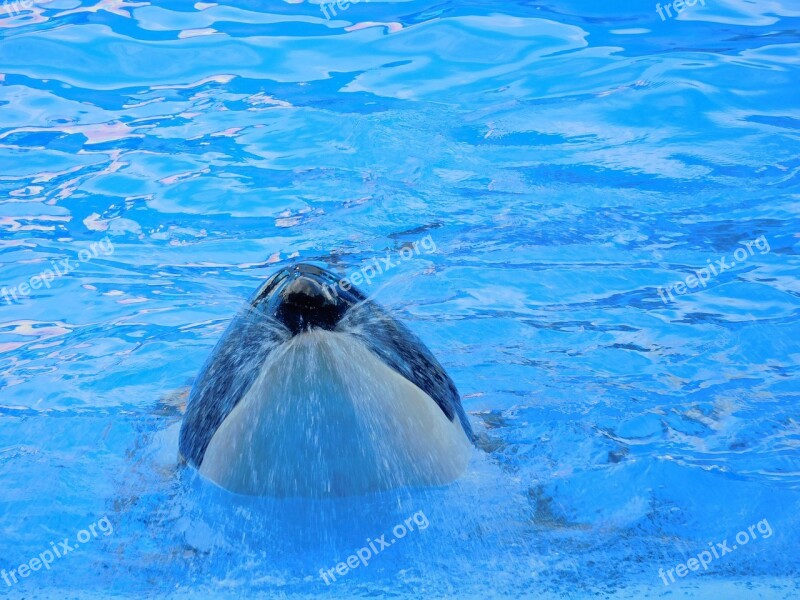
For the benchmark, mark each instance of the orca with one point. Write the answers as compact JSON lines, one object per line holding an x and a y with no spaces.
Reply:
{"x":316,"y":391}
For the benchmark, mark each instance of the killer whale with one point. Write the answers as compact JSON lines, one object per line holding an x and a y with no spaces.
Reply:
{"x":314,"y":390}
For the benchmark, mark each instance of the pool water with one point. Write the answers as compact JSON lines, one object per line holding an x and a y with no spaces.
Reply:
{"x":562,"y":188}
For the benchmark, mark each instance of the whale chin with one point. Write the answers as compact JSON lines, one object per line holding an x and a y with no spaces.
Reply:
{"x":326,"y":417}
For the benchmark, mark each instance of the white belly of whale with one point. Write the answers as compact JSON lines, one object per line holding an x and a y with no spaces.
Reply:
{"x":326,"y":417}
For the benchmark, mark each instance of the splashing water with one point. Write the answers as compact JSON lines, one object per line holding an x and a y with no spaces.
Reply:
{"x":326,"y":416}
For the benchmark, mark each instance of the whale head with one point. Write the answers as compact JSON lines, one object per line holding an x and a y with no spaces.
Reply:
{"x":304,"y":297}
{"x":315,"y":391}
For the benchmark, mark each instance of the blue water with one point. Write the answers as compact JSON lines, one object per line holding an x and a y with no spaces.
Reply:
{"x":568,"y":159}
